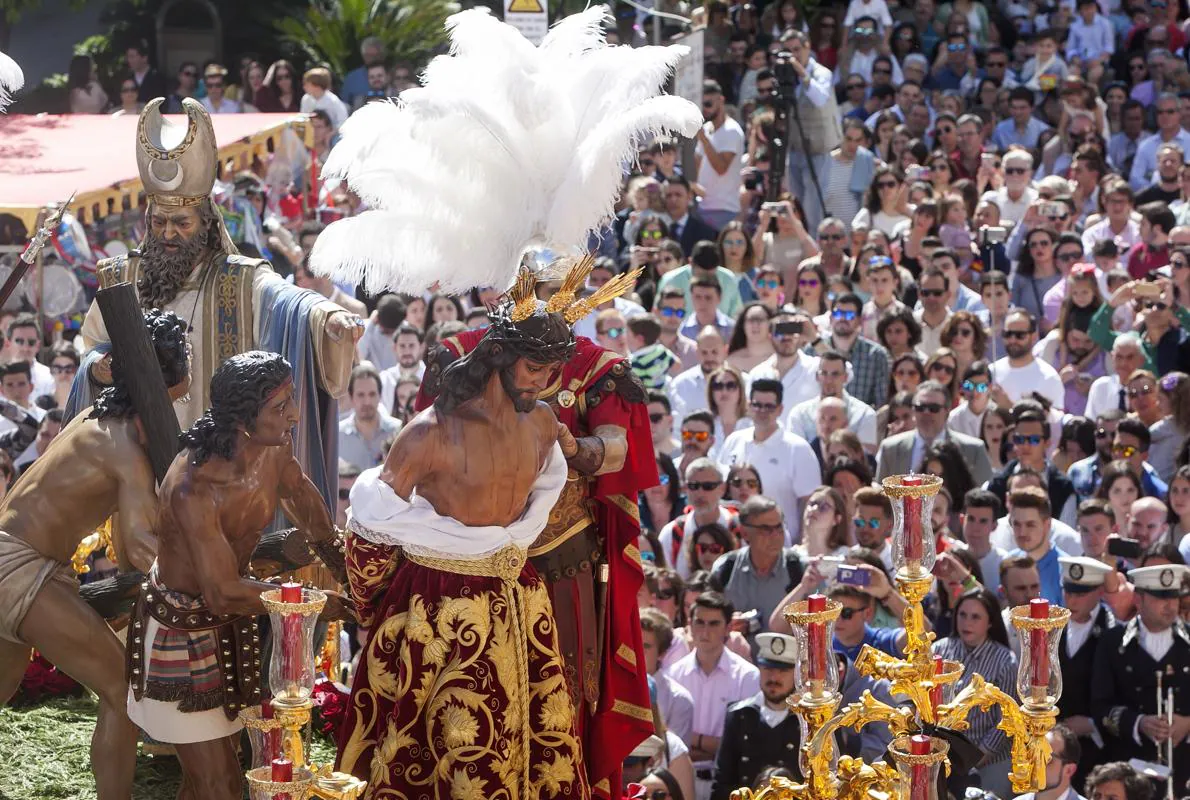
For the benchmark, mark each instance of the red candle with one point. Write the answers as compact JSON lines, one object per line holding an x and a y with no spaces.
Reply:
{"x":1040,"y":668}
{"x":816,"y":636}
{"x":912,"y":521}
{"x":919,"y":784}
{"x":936,"y":692}
{"x":282,"y":773}
{"x":291,"y":634}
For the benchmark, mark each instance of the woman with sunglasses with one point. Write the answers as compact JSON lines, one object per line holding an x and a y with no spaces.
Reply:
{"x":64,"y":365}
{"x":651,"y":229}
{"x":738,"y":255}
{"x":661,"y":504}
{"x":706,"y":544}
{"x":1160,"y":340}
{"x":660,"y":784}
{"x":964,"y":334}
{"x":279,"y":94}
{"x":1036,"y":272}
{"x":900,"y":334}
{"x":768,"y":287}
{"x":129,"y":105}
{"x":943,"y":366}
{"x":743,"y":481}
{"x":1120,"y":488}
{"x":975,"y":388}
{"x":1173,"y":428}
{"x":979,"y":641}
{"x":791,"y":244}
{"x":942,"y":173}
{"x":751,"y":342}
{"x":650,"y":548}
{"x":809,"y":290}
{"x":726,"y":402}
{"x":994,"y":428}
{"x":886,"y":204}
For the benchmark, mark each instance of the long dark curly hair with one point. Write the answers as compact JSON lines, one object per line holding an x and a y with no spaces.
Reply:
{"x":239,"y":389}
{"x":542,"y":338}
{"x":167,"y":332}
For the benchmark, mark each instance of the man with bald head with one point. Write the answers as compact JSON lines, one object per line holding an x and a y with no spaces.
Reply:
{"x":1148,"y":521}
{"x":688,"y":390}
{"x":832,"y":377}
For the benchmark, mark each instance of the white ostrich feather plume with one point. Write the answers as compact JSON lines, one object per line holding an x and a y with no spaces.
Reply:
{"x":505,"y":147}
{"x":11,"y":79}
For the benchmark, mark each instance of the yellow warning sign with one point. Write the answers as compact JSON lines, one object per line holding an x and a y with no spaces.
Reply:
{"x":525,"y":7}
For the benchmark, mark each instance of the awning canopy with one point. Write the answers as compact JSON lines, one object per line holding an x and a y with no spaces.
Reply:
{"x":45,"y":157}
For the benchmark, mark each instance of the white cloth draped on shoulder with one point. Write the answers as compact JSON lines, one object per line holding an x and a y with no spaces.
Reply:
{"x":381,"y":516}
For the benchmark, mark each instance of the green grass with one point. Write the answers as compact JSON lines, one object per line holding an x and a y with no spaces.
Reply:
{"x":46,"y":755}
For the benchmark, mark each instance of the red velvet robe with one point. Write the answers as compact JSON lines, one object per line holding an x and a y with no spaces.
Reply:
{"x":623,"y":718}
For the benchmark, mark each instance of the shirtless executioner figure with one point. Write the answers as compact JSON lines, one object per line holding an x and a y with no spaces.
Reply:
{"x":97,"y":466}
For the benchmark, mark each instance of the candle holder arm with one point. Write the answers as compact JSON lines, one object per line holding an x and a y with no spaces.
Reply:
{"x":863,"y":712}
{"x":1026,"y":728}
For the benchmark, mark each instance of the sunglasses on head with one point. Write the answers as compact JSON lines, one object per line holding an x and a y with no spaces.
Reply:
{"x":1123,"y":450}
{"x":703,"y":486}
{"x":724,"y":386}
{"x":670,"y":311}
{"x":695,"y":436}
{"x":927,"y":408}
{"x":1021,"y":438}
{"x":972,"y":386}
{"x":751,"y":483}
{"x":871,"y":522}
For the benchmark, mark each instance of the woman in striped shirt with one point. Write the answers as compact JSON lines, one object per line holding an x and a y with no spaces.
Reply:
{"x":980,"y":644}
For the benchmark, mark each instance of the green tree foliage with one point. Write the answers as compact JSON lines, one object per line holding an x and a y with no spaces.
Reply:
{"x":330,"y":31}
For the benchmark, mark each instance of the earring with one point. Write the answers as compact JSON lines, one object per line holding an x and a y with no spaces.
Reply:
{"x":248,"y":434}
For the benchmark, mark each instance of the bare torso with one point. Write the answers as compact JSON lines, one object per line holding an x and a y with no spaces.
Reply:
{"x":75,"y":486}
{"x":476,"y":464}
{"x":217,"y":495}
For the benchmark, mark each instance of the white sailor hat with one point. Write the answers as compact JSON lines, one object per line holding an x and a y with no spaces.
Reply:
{"x":1162,"y":580}
{"x":776,"y":650}
{"x":1082,"y":574}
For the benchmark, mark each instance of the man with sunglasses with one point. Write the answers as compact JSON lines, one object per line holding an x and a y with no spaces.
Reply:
{"x":1131,"y":444}
{"x":1065,"y":754}
{"x":705,"y":489}
{"x":934,"y":311}
{"x":761,"y":730}
{"x":698,"y":438}
{"x":1019,"y":372}
{"x":1169,"y":129}
{"x":903,"y":453}
{"x":670,"y":311}
{"x":796,"y":370}
{"x":661,"y":425}
{"x":1017,"y":193}
{"x":22,"y":342}
{"x":967,"y":417}
{"x":1030,"y":440}
{"x":868,"y":360}
{"x":784,"y":461}
{"x":1161,"y":342}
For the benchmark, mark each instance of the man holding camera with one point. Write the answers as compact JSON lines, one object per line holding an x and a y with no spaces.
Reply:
{"x":814,"y":125}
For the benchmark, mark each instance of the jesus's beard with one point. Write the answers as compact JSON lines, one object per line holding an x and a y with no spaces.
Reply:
{"x":165,"y":272}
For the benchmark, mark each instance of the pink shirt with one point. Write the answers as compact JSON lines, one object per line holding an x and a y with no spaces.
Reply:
{"x":732,"y":680}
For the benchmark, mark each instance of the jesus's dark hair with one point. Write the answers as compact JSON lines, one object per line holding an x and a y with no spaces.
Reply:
{"x":239,"y":389}
{"x":167,"y":333}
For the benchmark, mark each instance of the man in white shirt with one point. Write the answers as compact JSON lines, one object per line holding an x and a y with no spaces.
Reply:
{"x":933,"y":292}
{"x":409,"y":346}
{"x":1020,"y":373}
{"x":214,"y":77}
{"x":1169,"y":129}
{"x":715,"y":678}
{"x":1108,"y":391}
{"x":1118,"y":225}
{"x":967,"y":417}
{"x":832,"y":377}
{"x":980,"y":509}
{"x":22,"y":340}
{"x":688,"y":391}
{"x":719,"y":156}
{"x":1016,"y":195}
{"x":785,"y":462}
{"x":796,"y":370}
{"x":316,"y":83}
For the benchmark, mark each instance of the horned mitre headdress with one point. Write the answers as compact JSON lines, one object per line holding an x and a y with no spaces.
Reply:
{"x":176,"y":158}
{"x":505,"y":147}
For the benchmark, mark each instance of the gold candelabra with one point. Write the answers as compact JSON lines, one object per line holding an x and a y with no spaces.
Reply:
{"x":279,"y":729}
{"x":922,"y":679}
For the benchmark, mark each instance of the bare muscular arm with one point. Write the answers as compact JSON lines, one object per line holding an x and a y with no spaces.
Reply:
{"x":412,"y":455}
{"x":302,"y":503}
{"x":135,"y":539}
{"x":215,"y":565}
